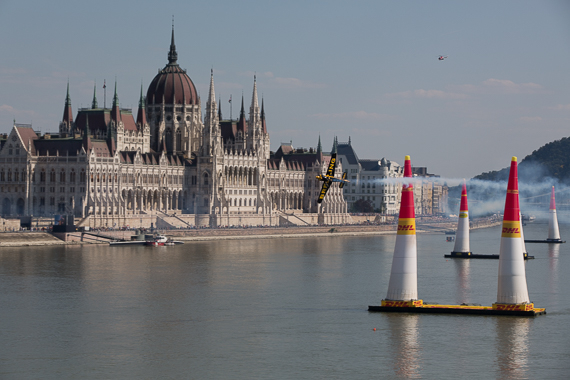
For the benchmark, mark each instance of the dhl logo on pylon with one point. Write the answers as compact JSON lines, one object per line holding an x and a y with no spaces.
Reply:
{"x":407,"y":226}
{"x":513,"y":307}
{"x":412,"y":303}
{"x":511,"y":229}
{"x":463,"y":214}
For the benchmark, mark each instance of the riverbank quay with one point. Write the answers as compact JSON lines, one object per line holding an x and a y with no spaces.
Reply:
{"x":15,"y":239}
{"x":29,"y":239}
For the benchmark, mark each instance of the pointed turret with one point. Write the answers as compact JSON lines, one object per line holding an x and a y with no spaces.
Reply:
{"x":87,"y":136}
{"x":241,"y":123}
{"x":254,"y":108}
{"x":172,"y":54}
{"x":403,"y":285}
{"x":512,"y":288}
{"x":141,"y":115}
{"x":212,"y":93}
{"x":67,"y":112}
{"x":263,"y":124}
{"x":115,"y":111}
{"x":220,"y":109}
{"x":94,"y":104}
{"x":462,"y":234}
{"x":335,"y":145}
{"x":553,"y":231}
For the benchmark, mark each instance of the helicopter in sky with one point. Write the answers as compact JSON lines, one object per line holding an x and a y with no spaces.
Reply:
{"x":441,"y":57}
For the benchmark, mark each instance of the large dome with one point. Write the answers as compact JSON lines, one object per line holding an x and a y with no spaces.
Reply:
{"x":172,"y":85}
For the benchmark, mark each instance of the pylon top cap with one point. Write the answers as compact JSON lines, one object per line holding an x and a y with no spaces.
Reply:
{"x":514,"y":158}
{"x":408,"y":167}
{"x":512,"y":209}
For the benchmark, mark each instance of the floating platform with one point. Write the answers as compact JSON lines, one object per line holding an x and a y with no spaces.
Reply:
{"x":418,"y":307}
{"x":469,"y":255}
{"x":551,"y":241}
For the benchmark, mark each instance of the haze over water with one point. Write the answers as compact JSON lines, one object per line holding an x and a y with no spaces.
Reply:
{"x":281,"y":308}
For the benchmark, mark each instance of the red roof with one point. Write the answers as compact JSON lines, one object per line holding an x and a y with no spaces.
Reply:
{"x":172,"y":86}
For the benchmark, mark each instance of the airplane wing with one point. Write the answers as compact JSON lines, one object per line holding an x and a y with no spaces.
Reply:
{"x":332,"y":164}
{"x":342,"y":182}
{"x":324,"y":189}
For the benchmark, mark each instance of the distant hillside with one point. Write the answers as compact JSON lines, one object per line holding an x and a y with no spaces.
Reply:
{"x":551,"y":160}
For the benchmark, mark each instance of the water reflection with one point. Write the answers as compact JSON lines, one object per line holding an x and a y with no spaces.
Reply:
{"x":406,"y":350}
{"x":512,"y":347}
{"x":462,"y":269}
{"x":553,"y":253}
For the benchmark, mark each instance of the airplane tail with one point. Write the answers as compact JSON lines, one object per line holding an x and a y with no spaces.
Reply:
{"x":342,"y":183}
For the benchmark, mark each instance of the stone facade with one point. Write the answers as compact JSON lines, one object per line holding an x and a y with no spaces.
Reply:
{"x":169,"y":166}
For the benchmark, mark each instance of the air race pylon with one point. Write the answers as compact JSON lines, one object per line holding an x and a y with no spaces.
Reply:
{"x":462,"y":235}
{"x":403,"y":285}
{"x":553,"y":232}
{"x":525,"y":253}
{"x":512,"y":293}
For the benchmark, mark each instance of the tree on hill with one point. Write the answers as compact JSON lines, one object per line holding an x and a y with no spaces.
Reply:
{"x":550,"y":160}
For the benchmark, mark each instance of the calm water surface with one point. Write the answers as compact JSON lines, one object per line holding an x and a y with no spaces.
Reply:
{"x":274,"y":309}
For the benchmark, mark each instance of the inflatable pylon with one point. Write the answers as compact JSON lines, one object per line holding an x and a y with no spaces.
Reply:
{"x":525,"y":253}
{"x":553,"y":232}
{"x":462,"y":234}
{"x":512,"y":293}
{"x":403,"y":285}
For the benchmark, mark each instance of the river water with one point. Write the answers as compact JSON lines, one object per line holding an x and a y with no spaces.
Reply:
{"x":292,"y":308}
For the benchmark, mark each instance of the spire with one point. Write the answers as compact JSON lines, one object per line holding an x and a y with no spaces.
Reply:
{"x":335,"y":145}
{"x":254,"y":102}
{"x":141,"y":115}
{"x":115,"y":111}
{"x":94,"y":103}
{"x":220,"y":109}
{"x":319,"y":146}
{"x":241,"y":123}
{"x":172,"y":54}
{"x":86,"y":135}
{"x":263,"y":125}
{"x":67,"y":112}
{"x":212,"y":94}
{"x":349,"y":143}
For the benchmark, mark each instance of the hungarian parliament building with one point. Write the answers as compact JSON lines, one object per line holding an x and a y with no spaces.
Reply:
{"x":171,"y":166}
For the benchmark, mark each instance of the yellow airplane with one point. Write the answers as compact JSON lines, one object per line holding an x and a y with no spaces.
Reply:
{"x":329,"y":178}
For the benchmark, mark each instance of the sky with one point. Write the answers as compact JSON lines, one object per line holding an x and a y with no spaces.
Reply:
{"x":364,"y":70}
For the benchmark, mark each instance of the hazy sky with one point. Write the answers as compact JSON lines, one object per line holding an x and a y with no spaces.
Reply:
{"x":364,"y":69}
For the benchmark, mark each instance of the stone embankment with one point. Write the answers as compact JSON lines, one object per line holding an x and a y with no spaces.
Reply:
{"x":200,"y":234}
{"x":25,"y":239}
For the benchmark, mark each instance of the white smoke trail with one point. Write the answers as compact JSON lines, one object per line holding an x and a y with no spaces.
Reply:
{"x":488,"y":197}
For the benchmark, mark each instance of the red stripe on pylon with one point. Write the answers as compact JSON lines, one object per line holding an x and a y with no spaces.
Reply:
{"x":552,"y":201}
{"x":463,"y":206}
{"x":407,"y":202}
{"x":512,"y":209}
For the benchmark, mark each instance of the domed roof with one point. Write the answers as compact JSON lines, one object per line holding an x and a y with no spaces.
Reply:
{"x":172,"y":85}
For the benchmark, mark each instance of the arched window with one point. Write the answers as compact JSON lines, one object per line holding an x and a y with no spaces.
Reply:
{"x":205,"y":178}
